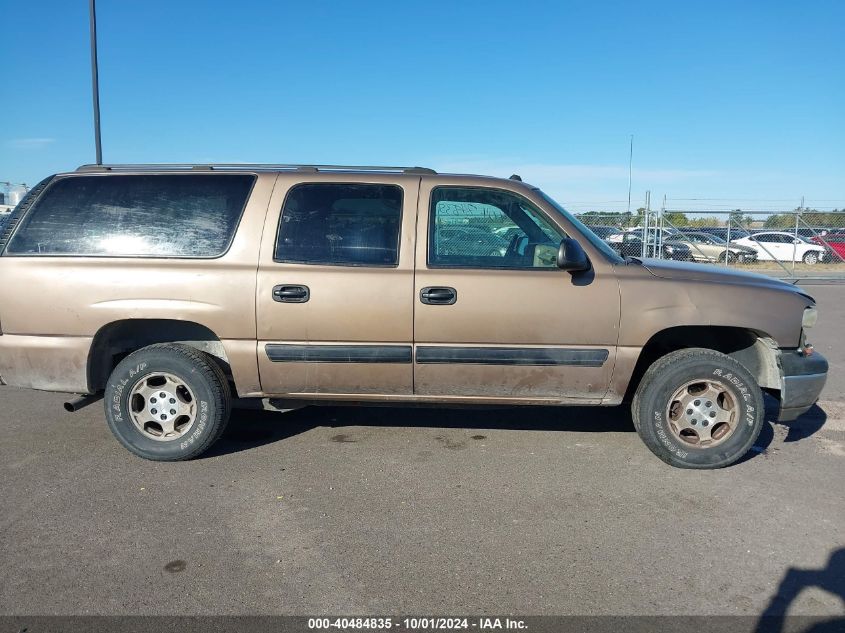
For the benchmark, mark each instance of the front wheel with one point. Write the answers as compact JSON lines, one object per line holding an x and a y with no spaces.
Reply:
{"x":811,"y":258}
{"x":167,"y":402}
{"x":698,"y":408}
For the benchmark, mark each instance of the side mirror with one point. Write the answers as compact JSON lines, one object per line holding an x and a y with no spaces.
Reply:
{"x":571,"y":256}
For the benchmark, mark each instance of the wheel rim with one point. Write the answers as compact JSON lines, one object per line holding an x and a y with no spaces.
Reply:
{"x":702,"y":413}
{"x":810,"y":258}
{"x":162,"y":407}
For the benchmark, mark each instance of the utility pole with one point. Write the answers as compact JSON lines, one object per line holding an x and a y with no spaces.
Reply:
{"x":630,"y":170}
{"x":95,"y":81}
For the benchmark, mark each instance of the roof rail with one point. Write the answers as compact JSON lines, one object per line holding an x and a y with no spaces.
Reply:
{"x":253,"y":166}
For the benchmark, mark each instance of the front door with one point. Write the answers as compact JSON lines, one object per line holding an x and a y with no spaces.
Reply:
{"x":777,"y":247}
{"x":335,"y":282}
{"x":495,"y":318}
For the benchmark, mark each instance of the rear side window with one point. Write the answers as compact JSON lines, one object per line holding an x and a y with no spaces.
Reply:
{"x":173,"y":215}
{"x":341,"y":225}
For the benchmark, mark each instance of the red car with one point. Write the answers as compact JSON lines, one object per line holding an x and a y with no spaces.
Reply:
{"x":834,"y":242}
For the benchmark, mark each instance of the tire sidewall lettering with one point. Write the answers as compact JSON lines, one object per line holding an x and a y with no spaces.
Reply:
{"x":748,"y":410}
{"x":665,"y":439}
{"x":202,"y":422}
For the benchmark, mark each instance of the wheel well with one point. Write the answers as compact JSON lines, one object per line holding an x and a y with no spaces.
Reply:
{"x":754,"y":349}
{"x":115,"y":341}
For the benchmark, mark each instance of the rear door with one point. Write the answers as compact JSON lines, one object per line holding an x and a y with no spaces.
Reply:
{"x":335,"y":283}
{"x":502,"y":321}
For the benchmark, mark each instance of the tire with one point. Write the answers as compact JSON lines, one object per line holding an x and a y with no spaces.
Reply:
{"x":727,"y":255}
{"x":194,"y":384}
{"x":677,"y":437}
{"x":811,"y":258}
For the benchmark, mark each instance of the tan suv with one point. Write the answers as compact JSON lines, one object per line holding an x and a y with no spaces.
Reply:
{"x":175,"y":291}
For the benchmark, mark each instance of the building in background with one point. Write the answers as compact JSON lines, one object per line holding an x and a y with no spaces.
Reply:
{"x":10,"y":195}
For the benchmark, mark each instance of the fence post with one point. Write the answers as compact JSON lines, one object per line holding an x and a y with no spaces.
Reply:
{"x":730,"y":222}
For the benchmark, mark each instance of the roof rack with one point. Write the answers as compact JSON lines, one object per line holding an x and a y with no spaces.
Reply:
{"x":254,"y":166}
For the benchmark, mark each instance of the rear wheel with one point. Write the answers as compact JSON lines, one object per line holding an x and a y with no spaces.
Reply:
{"x":167,"y":402}
{"x":811,"y":257}
{"x":698,"y":408}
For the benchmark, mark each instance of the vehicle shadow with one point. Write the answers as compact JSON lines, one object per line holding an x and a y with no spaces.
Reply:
{"x":830,"y":578}
{"x":806,"y":425}
{"x":250,"y":429}
{"x":802,"y":428}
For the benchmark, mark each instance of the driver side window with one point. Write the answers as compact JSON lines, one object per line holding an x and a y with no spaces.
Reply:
{"x":472,"y":227}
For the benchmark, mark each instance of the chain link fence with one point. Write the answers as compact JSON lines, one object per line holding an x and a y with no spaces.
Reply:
{"x":791,"y":245}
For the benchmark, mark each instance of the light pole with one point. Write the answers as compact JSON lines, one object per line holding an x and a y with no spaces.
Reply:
{"x":95,"y":82}
{"x":630,"y":168}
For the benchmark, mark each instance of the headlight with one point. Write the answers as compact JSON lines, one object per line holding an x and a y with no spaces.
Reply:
{"x":811,"y":315}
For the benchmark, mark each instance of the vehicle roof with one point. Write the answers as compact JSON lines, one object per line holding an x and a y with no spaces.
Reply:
{"x":514,"y":181}
{"x":272,"y":167}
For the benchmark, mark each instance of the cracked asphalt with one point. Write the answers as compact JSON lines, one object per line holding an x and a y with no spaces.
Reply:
{"x":364,"y":511}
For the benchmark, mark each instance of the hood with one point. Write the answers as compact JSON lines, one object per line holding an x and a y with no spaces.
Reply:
{"x":669,"y":269}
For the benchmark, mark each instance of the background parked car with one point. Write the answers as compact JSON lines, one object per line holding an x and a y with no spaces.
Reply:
{"x":722,"y":231}
{"x":604,"y":232}
{"x":712,"y":248}
{"x":811,"y":232}
{"x":653,"y":234}
{"x":784,"y":247}
{"x":631,"y":245}
{"x":834,"y":243}
{"x":470,"y":240}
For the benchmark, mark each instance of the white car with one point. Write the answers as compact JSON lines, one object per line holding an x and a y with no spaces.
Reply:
{"x":783,"y":246}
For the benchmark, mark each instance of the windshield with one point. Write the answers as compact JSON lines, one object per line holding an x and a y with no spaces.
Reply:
{"x":594,"y":239}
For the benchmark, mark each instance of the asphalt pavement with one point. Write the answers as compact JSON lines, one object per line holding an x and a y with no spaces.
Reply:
{"x":362,"y":511}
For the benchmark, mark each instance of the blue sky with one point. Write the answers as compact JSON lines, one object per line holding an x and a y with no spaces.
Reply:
{"x":742,"y":102}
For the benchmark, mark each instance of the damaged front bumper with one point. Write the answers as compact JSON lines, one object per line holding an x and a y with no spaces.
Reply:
{"x":802,"y":380}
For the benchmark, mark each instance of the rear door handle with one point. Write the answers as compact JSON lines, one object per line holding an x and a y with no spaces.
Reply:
{"x":291,"y":294}
{"x":438,"y":296}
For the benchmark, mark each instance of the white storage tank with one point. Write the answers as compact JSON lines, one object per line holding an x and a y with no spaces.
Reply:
{"x":14,"y":194}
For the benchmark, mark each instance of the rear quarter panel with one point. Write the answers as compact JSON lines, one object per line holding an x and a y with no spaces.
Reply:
{"x":52,"y":307}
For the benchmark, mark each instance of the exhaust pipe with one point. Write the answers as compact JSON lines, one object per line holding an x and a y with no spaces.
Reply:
{"x":72,"y":406}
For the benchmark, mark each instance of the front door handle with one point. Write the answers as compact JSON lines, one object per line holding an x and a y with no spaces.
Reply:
{"x":291,"y":294}
{"x":438,"y":296}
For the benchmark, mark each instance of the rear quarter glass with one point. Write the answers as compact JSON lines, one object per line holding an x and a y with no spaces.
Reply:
{"x":149,"y":215}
